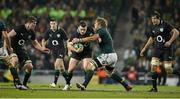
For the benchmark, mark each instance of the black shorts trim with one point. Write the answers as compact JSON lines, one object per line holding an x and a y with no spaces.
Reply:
{"x":98,"y":63}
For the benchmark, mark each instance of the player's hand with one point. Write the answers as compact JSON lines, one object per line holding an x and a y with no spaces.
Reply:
{"x":75,"y":40}
{"x":167,"y":44}
{"x":10,"y":50}
{"x":99,"y":40}
{"x":142,"y":52}
{"x":46,"y":50}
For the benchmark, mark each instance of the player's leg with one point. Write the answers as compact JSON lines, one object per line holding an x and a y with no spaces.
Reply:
{"x":59,"y":68}
{"x":89,"y":71}
{"x":168,"y":62}
{"x":115,"y":75}
{"x":164,"y":75}
{"x":154,"y":63}
{"x":72,"y":64}
{"x":56,"y":67}
{"x":56,"y":73}
{"x":13,"y":69}
{"x":28,"y":69}
{"x":110,"y":60}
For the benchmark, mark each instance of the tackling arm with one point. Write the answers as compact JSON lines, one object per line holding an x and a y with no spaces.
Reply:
{"x":94,"y":37}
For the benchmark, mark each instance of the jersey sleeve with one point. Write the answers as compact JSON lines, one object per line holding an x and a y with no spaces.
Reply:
{"x":169,"y":27}
{"x":99,"y":31}
{"x":17,"y":29}
{"x":64,"y":35}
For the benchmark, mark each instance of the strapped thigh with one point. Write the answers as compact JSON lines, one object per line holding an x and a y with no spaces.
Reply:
{"x":154,"y":63}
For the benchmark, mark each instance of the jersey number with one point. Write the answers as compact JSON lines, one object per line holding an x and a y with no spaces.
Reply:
{"x":55,"y":42}
{"x":160,"y":39}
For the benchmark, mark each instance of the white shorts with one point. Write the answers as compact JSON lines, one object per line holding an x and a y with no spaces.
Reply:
{"x":109,"y":59}
{"x":3,"y":52}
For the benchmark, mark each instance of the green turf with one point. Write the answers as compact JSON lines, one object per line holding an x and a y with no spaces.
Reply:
{"x":93,"y":91}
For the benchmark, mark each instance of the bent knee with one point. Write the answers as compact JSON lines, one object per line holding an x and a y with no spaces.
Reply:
{"x":90,"y":66}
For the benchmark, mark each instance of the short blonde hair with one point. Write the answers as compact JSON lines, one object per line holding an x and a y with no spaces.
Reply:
{"x":102,"y":21}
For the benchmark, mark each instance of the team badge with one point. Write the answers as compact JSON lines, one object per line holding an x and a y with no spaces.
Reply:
{"x":58,"y":35}
{"x":161,"y":29}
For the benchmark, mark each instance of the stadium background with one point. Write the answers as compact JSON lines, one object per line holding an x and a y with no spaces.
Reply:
{"x":128,"y":25}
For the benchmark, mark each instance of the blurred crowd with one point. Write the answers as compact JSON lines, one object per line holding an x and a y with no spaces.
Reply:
{"x":67,"y":12}
{"x":140,"y":18}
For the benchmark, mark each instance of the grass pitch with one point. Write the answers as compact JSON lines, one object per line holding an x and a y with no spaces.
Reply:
{"x":7,"y":90}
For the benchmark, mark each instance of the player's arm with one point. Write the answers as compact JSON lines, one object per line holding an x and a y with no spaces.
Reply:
{"x":175,"y":34}
{"x":7,"y":42}
{"x":149,"y":43}
{"x":36,"y":45}
{"x":71,"y":48}
{"x":43,"y":43}
{"x":94,"y":37}
{"x":11,"y":34}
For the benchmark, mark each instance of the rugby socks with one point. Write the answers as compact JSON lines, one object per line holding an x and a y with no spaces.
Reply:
{"x":65,"y":75}
{"x":154,"y":79}
{"x":26,"y":77}
{"x":56,"y":76}
{"x":15,"y":75}
{"x":88,"y":77}
{"x":69,"y":78}
{"x":117,"y":78}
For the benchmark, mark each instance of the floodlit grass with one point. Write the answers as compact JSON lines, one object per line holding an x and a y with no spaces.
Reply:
{"x":7,"y":90}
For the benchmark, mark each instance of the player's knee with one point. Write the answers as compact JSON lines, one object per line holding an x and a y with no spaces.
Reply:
{"x":154,"y":63}
{"x":91,"y":65}
{"x":56,"y":66}
{"x":29,"y":65}
{"x":14,"y":61}
{"x":168,"y":67}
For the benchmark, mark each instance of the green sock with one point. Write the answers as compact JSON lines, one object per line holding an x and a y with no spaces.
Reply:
{"x":56,"y":76}
{"x":88,"y":77}
{"x":26,"y":77}
{"x":15,"y":75}
{"x":69,"y":78}
{"x":118,"y":78}
{"x":65,"y":75}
